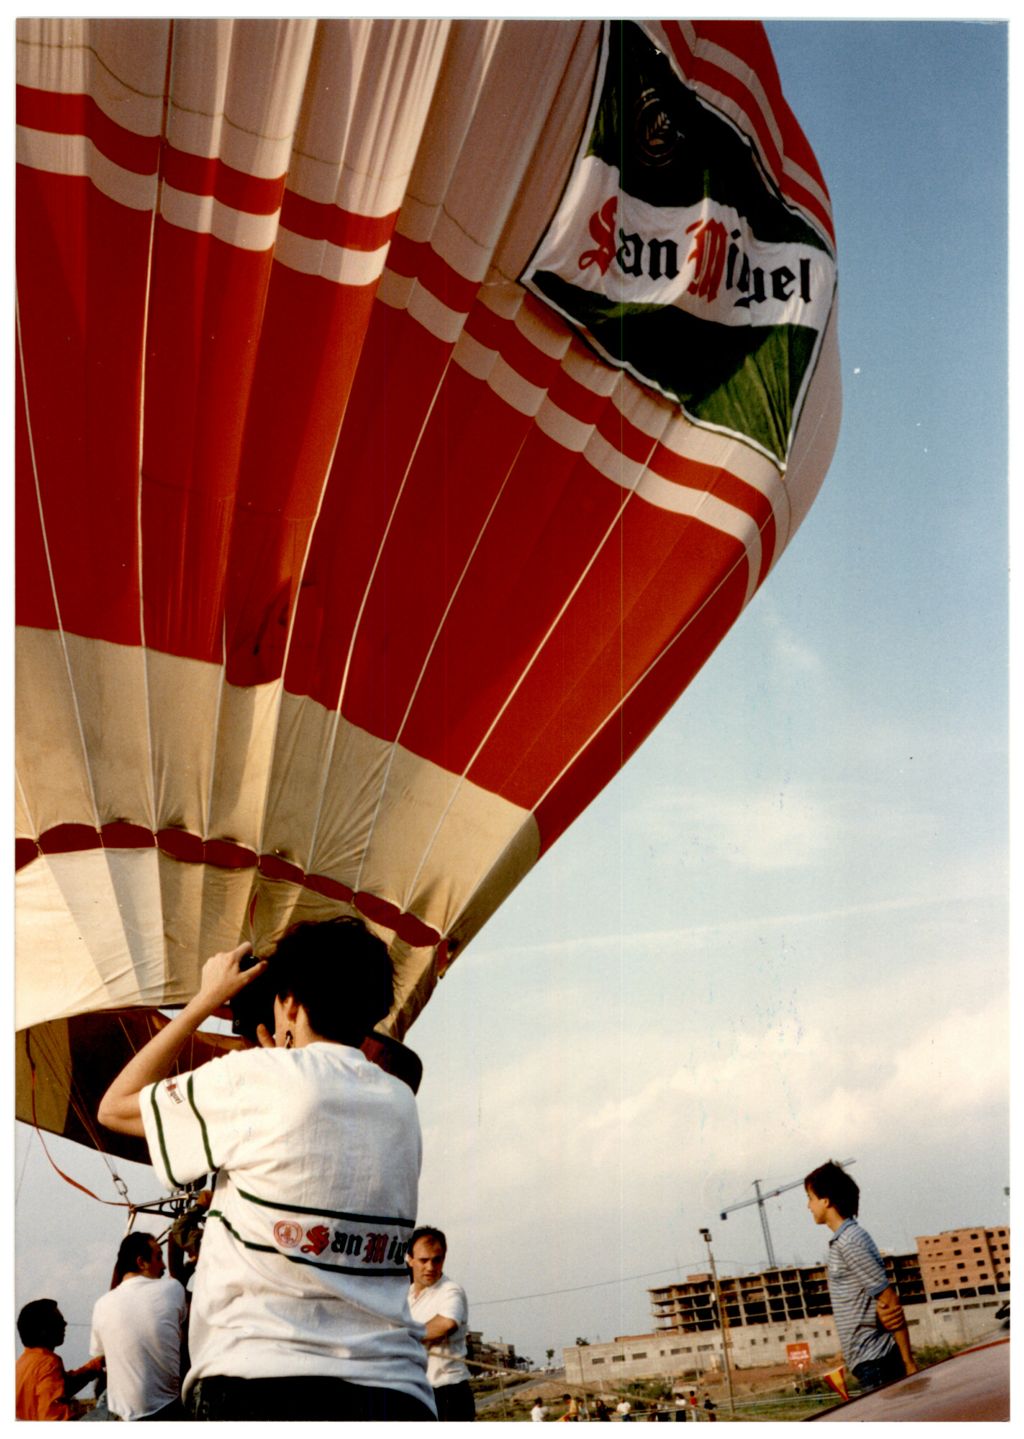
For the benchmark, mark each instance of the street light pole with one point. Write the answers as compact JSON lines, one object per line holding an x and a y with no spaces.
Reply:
{"x":705,"y":1234}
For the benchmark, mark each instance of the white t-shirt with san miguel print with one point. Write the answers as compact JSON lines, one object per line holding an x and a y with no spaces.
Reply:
{"x":302,"y":1266}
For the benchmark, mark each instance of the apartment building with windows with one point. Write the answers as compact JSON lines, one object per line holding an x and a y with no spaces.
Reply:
{"x":771,"y":1296}
{"x":965,"y":1263}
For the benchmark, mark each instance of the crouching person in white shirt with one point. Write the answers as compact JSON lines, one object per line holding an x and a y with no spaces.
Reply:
{"x":439,"y":1304}
{"x":300,"y":1299}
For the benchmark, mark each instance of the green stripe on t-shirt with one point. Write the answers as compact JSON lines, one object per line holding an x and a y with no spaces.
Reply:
{"x":325,"y":1213}
{"x":202,"y":1124}
{"x":160,"y":1136}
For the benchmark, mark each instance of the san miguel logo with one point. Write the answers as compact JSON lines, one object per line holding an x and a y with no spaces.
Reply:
{"x":381,"y":1250}
{"x":678,"y":261}
{"x":710,"y":252}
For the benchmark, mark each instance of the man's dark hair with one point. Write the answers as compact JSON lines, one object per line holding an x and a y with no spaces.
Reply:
{"x":339,"y":971}
{"x":39,"y":1324}
{"x":135,"y":1246}
{"x":426,"y":1232}
{"x":829,"y":1181}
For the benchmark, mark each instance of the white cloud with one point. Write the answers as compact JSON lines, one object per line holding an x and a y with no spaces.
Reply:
{"x":788,"y":651}
{"x":785,"y":828}
{"x":601,"y":1147}
{"x":843,"y":1073}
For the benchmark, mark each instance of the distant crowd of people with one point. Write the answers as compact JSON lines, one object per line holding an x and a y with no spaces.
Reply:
{"x":685,"y":1406}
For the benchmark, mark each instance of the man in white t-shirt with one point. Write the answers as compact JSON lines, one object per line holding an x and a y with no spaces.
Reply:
{"x":137,"y":1326}
{"x":439,"y":1305}
{"x":299,"y":1305}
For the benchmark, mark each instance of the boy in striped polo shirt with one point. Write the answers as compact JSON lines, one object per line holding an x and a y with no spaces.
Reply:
{"x":869,"y":1318}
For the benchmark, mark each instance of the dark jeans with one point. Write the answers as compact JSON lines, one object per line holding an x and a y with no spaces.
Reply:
{"x":455,"y":1403}
{"x":873,"y":1373}
{"x":298,"y":1397}
{"x":174,"y":1410}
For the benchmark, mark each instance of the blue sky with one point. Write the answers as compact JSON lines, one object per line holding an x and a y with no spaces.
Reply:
{"x":781,"y":934}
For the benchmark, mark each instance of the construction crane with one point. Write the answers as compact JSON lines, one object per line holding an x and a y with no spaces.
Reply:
{"x":762,"y":1199}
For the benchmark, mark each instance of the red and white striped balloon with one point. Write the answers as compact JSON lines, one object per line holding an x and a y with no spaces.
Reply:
{"x":347,"y":574}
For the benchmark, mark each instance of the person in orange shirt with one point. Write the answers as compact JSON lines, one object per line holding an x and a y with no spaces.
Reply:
{"x":43,"y":1388}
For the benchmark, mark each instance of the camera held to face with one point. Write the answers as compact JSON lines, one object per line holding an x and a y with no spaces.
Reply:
{"x":253,"y":1005}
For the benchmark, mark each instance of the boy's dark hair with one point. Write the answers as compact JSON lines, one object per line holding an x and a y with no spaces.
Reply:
{"x":425,"y":1231}
{"x":339,"y":971}
{"x":135,"y":1246}
{"x":38,"y":1325}
{"x":829,"y":1181}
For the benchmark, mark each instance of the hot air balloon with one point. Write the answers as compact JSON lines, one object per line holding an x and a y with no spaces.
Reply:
{"x":406,"y":409}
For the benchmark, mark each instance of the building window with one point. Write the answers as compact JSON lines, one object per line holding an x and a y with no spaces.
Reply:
{"x":618,"y":1358}
{"x":703,"y":1348}
{"x":597,"y":1361}
{"x":640,"y":1354}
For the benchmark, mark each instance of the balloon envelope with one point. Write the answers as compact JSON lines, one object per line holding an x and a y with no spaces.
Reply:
{"x":406,"y":410}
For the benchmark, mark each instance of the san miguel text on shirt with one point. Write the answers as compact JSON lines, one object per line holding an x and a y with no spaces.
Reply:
{"x":372,"y":1247}
{"x":366,"y":1245}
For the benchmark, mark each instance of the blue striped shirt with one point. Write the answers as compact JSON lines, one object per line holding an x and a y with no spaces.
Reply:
{"x":856,"y":1277}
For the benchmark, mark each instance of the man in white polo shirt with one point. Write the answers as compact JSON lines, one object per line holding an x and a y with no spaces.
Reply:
{"x":137,"y":1326}
{"x":439,"y":1304}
